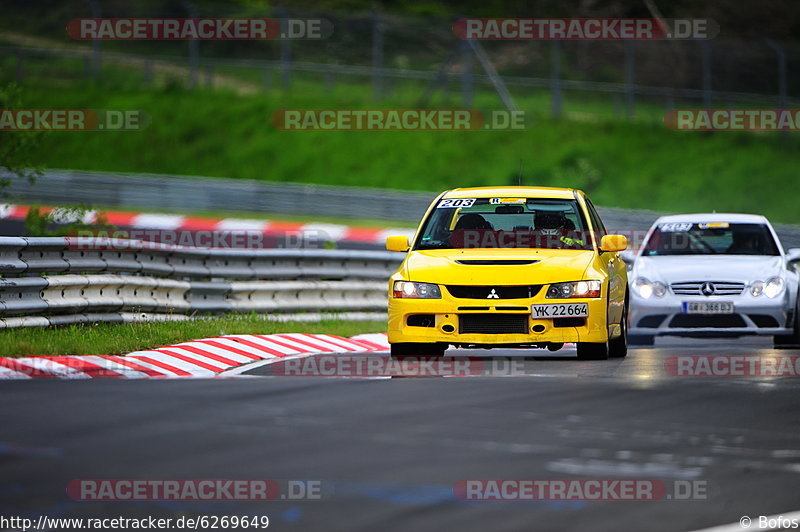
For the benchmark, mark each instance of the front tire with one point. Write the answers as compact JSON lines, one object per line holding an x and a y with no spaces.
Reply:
{"x":788,"y":341}
{"x":411,"y":349}
{"x":618,"y":347}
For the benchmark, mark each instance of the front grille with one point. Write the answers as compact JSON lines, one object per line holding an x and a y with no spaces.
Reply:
{"x":493,"y":323}
{"x":764,"y":320}
{"x":697,"y":321}
{"x":489,"y":292}
{"x":695,"y":288}
{"x":652,"y":322}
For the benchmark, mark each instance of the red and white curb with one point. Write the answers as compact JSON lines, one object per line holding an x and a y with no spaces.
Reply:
{"x":175,"y":222}
{"x":208,"y":357}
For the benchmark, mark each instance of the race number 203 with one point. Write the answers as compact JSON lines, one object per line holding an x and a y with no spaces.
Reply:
{"x":570,"y":310}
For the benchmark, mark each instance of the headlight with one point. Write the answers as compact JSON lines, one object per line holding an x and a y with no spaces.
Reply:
{"x":757,"y":288}
{"x":574,"y":289}
{"x":647,"y":289}
{"x":772,"y":288}
{"x":411,"y":290}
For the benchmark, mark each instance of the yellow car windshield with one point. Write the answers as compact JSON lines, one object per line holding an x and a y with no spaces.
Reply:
{"x":470,"y":223}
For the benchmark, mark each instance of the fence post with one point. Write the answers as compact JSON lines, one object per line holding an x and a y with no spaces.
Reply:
{"x":209,"y":76}
{"x":286,"y":50}
{"x":781,"y":53}
{"x":670,"y":101}
{"x":377,"y":56}
{"x":194,"y":47}
{"x":330,"y":79}
{"x":467,"y":79}
{"x":20,"y":71}
{"x":497,"y":81}
{"x":555,"y":79}
{"x":96,"y":59}
{"x":706,"y":48}
{"x":148,"y":72}
{"x":782,"y":83}
{"x":630,"y":78}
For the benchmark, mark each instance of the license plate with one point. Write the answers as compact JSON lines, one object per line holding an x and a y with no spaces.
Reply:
{"x":560,"y":310}
{"x":708,"y":307}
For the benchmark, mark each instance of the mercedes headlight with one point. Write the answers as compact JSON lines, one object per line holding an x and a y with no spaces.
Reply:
{"x":574,"y":289}
{"x":647,"y":289}
{"x":411,"y":290}
{"x":773,"y":287}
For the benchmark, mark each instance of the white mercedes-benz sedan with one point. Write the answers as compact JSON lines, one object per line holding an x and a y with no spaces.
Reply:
{"x":713,"y":275}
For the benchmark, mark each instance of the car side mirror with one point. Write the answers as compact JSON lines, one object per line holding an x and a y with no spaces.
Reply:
{"x":613,"y":243}
{"x":793,"y":258}
{"x":397,"y":243}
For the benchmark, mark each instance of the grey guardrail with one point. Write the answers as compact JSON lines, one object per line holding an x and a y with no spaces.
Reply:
{"x":51,"y":281}
{"x":177,"y":193}
{"x":188,"y":193}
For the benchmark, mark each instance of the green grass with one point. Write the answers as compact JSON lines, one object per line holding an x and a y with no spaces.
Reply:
{"x":221,"y":133}
{"x":117,"y":339}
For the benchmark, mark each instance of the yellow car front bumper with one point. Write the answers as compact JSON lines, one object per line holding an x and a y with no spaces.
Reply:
{"x":445,"y":319}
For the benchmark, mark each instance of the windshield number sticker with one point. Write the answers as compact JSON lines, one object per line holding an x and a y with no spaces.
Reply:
{"x":676,"y":227}
{"x":455,"y":203}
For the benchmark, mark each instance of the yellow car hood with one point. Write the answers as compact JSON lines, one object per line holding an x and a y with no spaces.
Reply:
{"x":442,"y":266}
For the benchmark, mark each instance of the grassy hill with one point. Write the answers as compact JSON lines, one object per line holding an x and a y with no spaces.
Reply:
{"x":227,"y":132}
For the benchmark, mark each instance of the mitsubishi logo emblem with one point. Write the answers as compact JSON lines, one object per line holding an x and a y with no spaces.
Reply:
{"x":707,"y":289}
{"x":493,"y":295}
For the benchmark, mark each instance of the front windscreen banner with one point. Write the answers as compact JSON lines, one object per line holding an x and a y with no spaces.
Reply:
{"x":488,"y":223}
{"x":711,"y":238}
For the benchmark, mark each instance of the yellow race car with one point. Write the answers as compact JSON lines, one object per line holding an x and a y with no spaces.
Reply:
{"x":509,"y":267}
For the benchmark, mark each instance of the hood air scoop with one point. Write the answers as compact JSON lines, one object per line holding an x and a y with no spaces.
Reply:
{"x":496,"y":262}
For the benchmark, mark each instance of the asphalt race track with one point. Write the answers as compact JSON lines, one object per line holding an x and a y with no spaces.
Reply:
{"x":389,"y":451}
